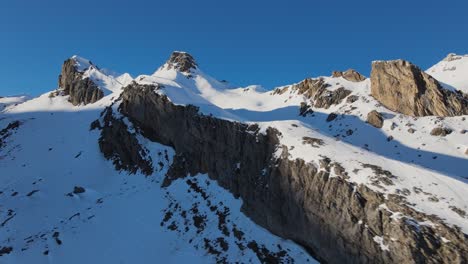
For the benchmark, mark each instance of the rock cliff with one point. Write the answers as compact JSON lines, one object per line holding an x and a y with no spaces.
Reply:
{"x":403,"y":87}
{"x":336,"y":220}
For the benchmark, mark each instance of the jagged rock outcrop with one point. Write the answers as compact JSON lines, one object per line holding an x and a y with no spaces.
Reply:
{"x":403,"y":87}
{"x":181,"y":61}
{"x":375,"y":119}
{"x":337,"y":221}
{"x":316,"y":90}
{"x":350,"y":75}
{"x":81,"y":90}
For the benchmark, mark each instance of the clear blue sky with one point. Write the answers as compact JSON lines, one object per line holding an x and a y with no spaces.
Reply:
{"x":270,"y":43}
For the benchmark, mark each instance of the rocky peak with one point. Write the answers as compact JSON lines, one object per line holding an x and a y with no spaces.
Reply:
{"x":71,"y":82}
{"x":405,"y":88}
{"x":181,"y":61}
{"x":350,"y":75}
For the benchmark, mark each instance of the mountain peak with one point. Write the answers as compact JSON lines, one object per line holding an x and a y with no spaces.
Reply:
{"x":181,"y":61}
{"x":82,"y":64}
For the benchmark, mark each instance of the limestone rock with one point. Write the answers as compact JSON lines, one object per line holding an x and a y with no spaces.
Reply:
{"x":403,"y":87}
{"x":375,"y":119}
{"x":81,"y":90}
{"x":350,"y":75}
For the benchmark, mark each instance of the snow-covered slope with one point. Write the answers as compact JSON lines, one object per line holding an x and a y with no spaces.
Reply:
{"x":131,"y":218}
{"x":452,"y":72}
{"x":12,"y":100}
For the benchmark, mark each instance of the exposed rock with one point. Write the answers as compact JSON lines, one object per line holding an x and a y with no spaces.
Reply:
{"x":181,"y":61}
{"x":331,"y":117}
{"x":78,"y":190}
{"x":7,"y":131}
{"x":352,"y":98}
{"x":5,"y":250}
{"x":375,"y":119}
{"x":411,"y":130}
{"x":316,"y":90}
{"x":291,"y":198}
{"x":403,"y":87}
{"x":81,"y":90}
{"x":441,"y":131}
{"x":350,"y":75}
{"x":305,"y":109}
{"x":314,"y":142}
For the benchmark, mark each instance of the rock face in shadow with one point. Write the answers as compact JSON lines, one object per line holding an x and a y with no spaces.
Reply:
{"x":81,"y":90}
{"x":403,"y":87}
{"x":350,"y":75}
{"x":121,"y":146}
{"x":337,"y":221}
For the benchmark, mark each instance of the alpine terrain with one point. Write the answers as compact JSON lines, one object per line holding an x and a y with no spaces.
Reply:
{"x":179,"y":167}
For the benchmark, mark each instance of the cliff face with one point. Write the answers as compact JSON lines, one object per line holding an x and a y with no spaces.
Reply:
{"x":404,"y":88}
{"x":81,"y":90}
{"x":336,"y":220}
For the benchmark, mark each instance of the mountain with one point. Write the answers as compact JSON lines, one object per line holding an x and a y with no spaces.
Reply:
{"x":178,"y":166}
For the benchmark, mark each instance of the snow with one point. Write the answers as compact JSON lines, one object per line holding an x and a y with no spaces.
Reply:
{"x":8,"y":101}
{"x":452,"y":72}
{"x":379,"y":240}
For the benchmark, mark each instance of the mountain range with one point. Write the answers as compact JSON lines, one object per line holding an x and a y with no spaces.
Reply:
{"x":178,"y":166}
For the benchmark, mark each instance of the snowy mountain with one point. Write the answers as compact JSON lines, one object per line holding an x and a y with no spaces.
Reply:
{"x":178,"y":166}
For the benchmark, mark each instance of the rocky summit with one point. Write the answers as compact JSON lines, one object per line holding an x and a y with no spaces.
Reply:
{"x":179,"y":167}
{"x":181,"y":61}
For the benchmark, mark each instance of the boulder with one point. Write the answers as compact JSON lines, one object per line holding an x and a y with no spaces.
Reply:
{"x":441,"y":131}
{"x":403,"y":87}
{"x":375,"y":119}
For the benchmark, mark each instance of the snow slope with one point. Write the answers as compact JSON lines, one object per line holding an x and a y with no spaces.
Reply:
{"x":452,"y":71}
{"x":12,"y":100}
{"x":130,"y":218}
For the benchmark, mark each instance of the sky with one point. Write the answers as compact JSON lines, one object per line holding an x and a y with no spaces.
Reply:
{"x":271,"y":43}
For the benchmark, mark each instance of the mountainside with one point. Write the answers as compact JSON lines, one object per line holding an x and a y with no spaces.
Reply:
{"x":178,"y":166}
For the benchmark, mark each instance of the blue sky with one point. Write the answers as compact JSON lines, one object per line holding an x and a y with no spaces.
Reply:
{"x":270,"y":43}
